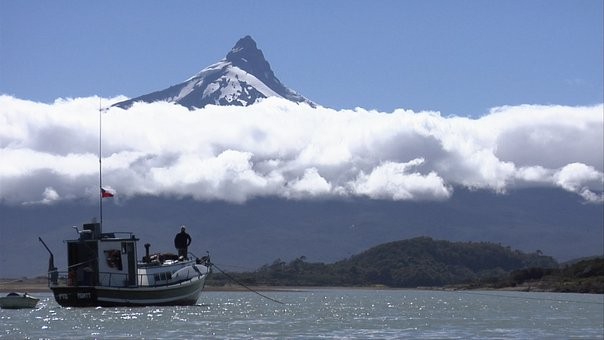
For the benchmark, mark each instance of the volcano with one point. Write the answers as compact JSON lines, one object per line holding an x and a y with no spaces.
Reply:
{"x":242,"y":78}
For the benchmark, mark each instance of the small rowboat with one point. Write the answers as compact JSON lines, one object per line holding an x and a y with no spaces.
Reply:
{"x":17,"y":301}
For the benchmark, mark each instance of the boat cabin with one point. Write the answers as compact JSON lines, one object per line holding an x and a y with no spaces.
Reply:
{"x":101,"y":259}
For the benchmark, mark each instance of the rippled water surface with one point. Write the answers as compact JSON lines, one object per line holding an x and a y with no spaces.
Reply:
{"x":325,"y":313}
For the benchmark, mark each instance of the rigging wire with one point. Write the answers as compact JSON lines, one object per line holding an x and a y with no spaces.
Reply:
{"x":244,"y":286}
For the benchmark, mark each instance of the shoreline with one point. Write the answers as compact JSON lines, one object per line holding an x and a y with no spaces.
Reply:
{"x":40,"y":285}
{"x":28,"y":286}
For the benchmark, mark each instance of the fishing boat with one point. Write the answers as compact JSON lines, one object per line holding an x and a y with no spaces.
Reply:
{"x":103,"y":269}
{"x":18,"y":301}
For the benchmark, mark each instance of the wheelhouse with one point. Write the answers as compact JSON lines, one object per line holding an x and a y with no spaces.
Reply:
{"x":97,"y":259}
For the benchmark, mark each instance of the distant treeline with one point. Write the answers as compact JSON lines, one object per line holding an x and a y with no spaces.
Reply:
{"x":585,"y":276}
{"x":409,"y":263}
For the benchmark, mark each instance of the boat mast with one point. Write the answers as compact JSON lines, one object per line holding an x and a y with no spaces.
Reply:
{"x":100,"y":165}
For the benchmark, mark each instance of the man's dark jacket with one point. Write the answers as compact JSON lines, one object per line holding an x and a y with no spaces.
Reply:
{"x":182,"y":240}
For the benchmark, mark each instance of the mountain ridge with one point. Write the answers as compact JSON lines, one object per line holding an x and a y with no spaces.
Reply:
{"x":242,"y":78}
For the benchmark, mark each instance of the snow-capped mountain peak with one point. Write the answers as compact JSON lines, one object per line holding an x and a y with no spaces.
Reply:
{"x":242,"y":78}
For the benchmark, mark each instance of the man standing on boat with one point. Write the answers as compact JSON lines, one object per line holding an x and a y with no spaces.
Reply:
{"x":182,"y":242}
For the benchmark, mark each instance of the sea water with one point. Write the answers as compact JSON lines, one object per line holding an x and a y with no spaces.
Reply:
{"x":325,"y":313}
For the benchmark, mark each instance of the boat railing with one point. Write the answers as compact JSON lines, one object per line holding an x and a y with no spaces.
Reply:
{"x":107,"y":279}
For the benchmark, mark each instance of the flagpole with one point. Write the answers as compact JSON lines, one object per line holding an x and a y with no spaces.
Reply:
{"x":100,"y":165}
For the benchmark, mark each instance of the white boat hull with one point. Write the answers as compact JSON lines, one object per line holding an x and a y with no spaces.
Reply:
{"x":181,"y":294}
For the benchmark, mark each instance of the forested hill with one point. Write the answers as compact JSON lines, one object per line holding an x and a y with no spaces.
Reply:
{"x":423,"y":261}
{"x":414,"y":262}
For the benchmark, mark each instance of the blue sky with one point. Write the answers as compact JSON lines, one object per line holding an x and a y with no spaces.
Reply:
{"x":456,"y":57}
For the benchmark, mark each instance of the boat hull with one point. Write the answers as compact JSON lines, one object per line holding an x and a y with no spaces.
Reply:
{"x":18,"y":302}
{"x":180,"y":294}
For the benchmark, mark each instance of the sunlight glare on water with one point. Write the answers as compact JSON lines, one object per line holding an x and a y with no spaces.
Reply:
{"x":325,"y":313}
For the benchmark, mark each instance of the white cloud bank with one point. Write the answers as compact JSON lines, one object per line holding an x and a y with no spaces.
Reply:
{"x":48,"y":152}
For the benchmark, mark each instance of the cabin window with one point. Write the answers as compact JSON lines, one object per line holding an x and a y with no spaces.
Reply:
{"x":162,"y":276}
{"x":114,"y":258}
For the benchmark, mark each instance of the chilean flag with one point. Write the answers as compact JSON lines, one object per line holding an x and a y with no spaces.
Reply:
{"x":106,"y":193}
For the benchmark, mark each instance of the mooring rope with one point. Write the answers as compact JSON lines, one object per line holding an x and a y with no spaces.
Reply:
{"x":244,"y":286}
